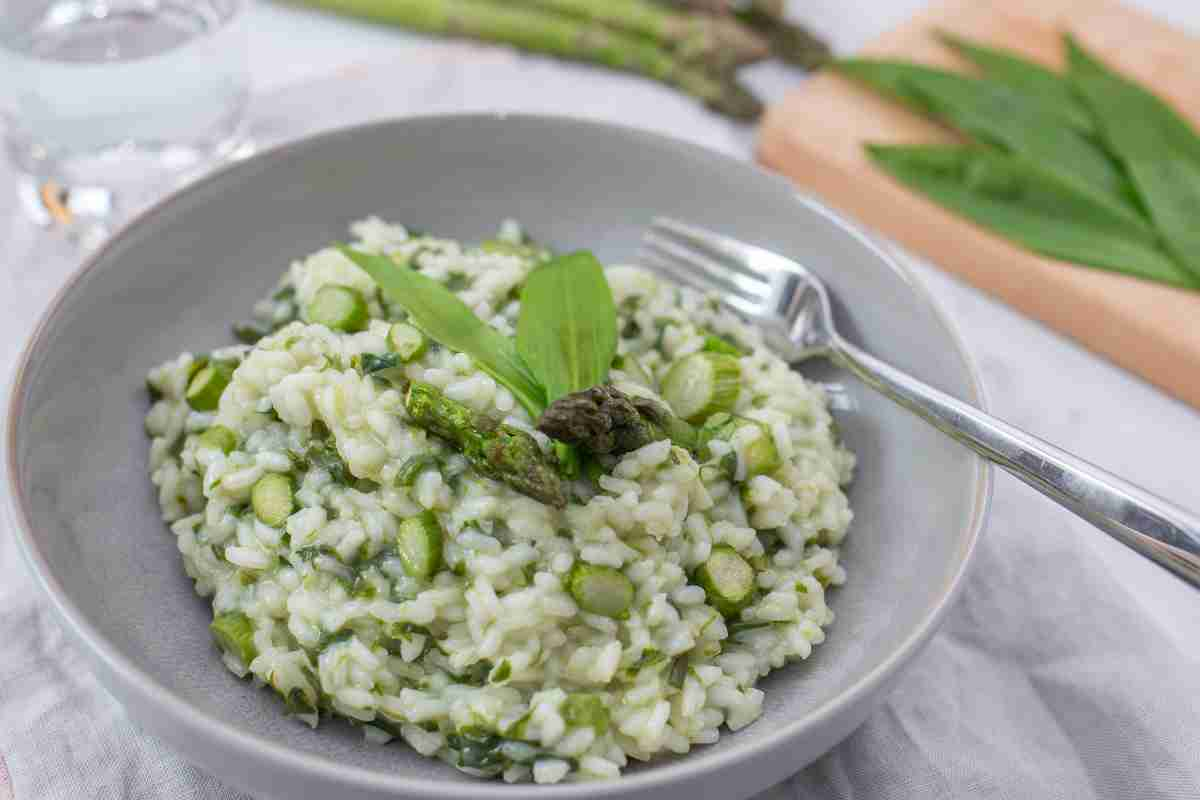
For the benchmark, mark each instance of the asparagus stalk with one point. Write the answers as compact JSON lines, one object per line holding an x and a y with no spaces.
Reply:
{"x":789,"y":41}
{"x":604,"y":420}
{"x":557,"y":35}
{"x":498,"y":451}
{"x":703,"y":39}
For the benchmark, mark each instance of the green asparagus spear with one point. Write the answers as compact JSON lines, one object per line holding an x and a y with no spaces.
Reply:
{"x":702,"y":39}
{"x":498,"y":451}
{"x":788,"y":40}
{"x":603,"y":420}
{"x":557,"y":35}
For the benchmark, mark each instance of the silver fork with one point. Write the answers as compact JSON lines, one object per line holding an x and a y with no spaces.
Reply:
{"x":792,"y":306}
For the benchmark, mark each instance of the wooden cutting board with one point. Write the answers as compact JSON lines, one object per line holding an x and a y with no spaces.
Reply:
{"x":815,"y":136}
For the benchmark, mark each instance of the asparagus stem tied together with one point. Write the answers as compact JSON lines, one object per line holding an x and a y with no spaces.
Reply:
{"x":575,"y":38}
{"x":498,"y":451}
{"x":718,"y":42}
{"x":788,"y":41}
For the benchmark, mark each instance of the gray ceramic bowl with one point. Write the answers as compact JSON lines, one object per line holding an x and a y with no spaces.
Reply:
{"x":177,"y":276}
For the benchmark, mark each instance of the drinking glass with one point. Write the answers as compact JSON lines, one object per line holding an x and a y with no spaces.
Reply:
{"x":106,"y":103}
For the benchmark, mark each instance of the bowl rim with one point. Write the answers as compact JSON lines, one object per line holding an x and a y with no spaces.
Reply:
{"x":193,"y":721}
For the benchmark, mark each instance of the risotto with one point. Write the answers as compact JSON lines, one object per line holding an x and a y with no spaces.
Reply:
{"x":368,"y":563}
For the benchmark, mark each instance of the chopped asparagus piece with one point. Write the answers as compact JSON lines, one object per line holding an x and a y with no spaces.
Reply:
{"x":419,"y":545}
{"x":586,"y":709}
{"x":727,"y":580}
{"x":501,"y":672}
{"x":411,"y":469}
{"x":507,"y":248}
{"x":407,"y":342}
{"x":634,"y":371}
{"x":218,"y":437}
{"x":702,"y":384}
{"x":272,"y":500}
{"x":338,"y":307}
{"x":234,"y":633}
{"x":207,"y":384}
{"x":761,"y":455}
{"x":600,"y":590}
{"x":718,"y":344}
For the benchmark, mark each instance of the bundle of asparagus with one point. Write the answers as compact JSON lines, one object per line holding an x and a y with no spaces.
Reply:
{"x":693,"y":46}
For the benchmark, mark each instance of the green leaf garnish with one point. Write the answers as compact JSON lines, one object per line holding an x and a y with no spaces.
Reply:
{"x":567,"y":331}
{"x":446,"y":319}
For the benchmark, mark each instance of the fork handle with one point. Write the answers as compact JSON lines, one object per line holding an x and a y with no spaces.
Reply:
{"x":1152,"y":526}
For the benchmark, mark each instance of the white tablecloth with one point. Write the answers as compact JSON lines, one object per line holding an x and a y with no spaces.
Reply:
{"x":1069,"y":668}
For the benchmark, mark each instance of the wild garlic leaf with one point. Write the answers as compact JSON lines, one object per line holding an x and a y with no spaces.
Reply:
{"x":995,"y":114}
{"x":1019,"y":200}
{"x":567,"y":331}
{"x":441,"y":315}
{"x":1048,"y":90}
{"x":1158,"y":148}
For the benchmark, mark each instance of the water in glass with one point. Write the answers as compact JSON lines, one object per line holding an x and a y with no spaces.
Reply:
{"x":106,"y":94}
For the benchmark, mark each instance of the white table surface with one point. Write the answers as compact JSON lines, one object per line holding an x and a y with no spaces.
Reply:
{"x":1033,"y":377}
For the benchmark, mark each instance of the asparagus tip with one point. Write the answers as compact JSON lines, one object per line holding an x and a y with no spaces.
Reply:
{"x":736,"y":101}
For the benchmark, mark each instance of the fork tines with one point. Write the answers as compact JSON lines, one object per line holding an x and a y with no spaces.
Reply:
{"x":708,"y":262}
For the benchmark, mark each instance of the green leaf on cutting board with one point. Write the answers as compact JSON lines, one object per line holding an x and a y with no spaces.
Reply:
{"x":997,"y":115}
{"x":1158,"y":148}
{"x":1050,"y":91}
{"x":1019,"y":200}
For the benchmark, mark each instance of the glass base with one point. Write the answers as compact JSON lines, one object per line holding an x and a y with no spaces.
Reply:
{"x":86,"y":196}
